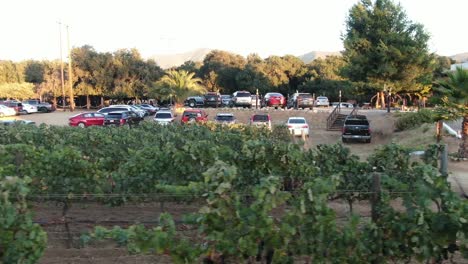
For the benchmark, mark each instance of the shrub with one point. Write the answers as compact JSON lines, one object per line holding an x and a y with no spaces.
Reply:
{"x":412,"y":120}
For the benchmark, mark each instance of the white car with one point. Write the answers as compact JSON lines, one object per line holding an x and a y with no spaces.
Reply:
{"x":28,"y":109}
{"x":322,"y":101}
{"x":164,"y":117}
{"x":342,"y":105}
{"x":242,"y":98}
{"x":6,"y":111}
{"x":298,"y":126}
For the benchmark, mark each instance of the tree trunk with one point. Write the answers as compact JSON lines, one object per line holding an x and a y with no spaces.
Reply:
{"x":54,"y":101}
{"x":462,"y":151}
{"x":382,"y":99}
{"x":88,"y":102}
{"x":439,"y":130}
{"x":377,"y":101}
{"x":102,"y":101}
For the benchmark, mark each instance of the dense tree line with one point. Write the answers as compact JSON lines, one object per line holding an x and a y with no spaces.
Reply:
{"x":384,"y":53}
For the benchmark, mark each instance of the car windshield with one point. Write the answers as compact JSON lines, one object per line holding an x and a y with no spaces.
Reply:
{"x":243,"y":94}
{"x":115,"y":115}
{"x":296,"y":121}
{"x":260,"y":118}
{"x":322,"y":98}
{"x":225,"y":96}
{"x":163,"y":115}
{"x":224,"y":118}
{"x":357,"y":122}
{"x":305,"y":95}
{"x":191,"y":114}
{"x":275,"y":94}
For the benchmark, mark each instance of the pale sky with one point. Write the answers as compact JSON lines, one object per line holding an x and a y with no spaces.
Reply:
{"x":29,"y":28}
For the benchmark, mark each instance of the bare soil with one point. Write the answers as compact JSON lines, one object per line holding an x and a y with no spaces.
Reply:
{"x":83,"y":216}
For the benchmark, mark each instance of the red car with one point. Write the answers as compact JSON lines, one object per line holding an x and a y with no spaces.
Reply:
{"x":86,"y":120}
{"x":194,"y":116}
{"x":274,"y":100}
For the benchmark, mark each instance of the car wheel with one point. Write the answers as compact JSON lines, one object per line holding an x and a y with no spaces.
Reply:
{"x":368,"y":140}
{"x":344,"y":140}
{"x":192,"y":104}
{"x":81,"y":125}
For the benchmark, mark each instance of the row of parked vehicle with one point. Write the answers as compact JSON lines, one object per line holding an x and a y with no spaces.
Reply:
{"x":117,"y":115}
{"x":296,"y":125}
{"x":246,"y":99}
{"x":129,"y":115}
{"x":13,"y":107}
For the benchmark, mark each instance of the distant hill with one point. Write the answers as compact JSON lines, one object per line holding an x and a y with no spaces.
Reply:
{"x":461,"y":57}
{"x":308,"y":57}
{"x":174,"y":60}
{"x":166,"y":61}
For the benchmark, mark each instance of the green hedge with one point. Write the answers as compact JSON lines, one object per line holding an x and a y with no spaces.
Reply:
{"x":412,"y":120}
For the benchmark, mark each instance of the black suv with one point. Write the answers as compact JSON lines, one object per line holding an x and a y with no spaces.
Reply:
{"x":121,"y":118}
{"x":356,"y":127}
{"x":213,"y":99}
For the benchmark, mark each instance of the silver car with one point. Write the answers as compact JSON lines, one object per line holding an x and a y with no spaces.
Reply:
{"x":164,"y":117}
{"x":225,"y":118}
{"x":322,"y":101}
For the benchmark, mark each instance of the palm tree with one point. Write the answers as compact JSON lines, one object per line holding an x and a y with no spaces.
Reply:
{"x":178,"y":85}
{"x":456,"y":102}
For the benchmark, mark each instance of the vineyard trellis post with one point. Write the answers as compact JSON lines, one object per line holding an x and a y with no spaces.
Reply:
{"x":375,"y":211}
{"x":375,"y":199}
{"x":444,"y":160}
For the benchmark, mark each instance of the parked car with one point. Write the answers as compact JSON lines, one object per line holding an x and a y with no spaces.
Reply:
{"x":226,"y":100}
{"x":164,"y":117}
{"x":342,"y":105}
{"x":194,"y":101}
{"x":43,"y":107}
{"x":29,"y":109}
{"x":12,"y":122}
{"x":6,"y":111}
{"x":256,"y":102}
{"x":260,"y":120}
{"x":225,"y":118}
{"x":242,"y":98}
{"x":274,"y":100}
{"x":122,"y":118}
{"x":107,"y":110}
{"x":15,"y":105}
{"x":298,"y":126}
{"x":212,"y":99}
{"x":356,"y":127}
{"x":140,"y":112}
{"x":87,"y":119}
{"x":322,"y":101}
{"x":194,"y":116}
{"x":301,"y":100}
{"x":149,"y":108}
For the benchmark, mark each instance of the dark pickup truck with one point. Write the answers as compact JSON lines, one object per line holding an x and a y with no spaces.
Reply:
{"x":356,"y":127}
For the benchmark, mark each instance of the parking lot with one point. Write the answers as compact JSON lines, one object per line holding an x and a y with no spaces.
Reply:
{"x":382,"y":124}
